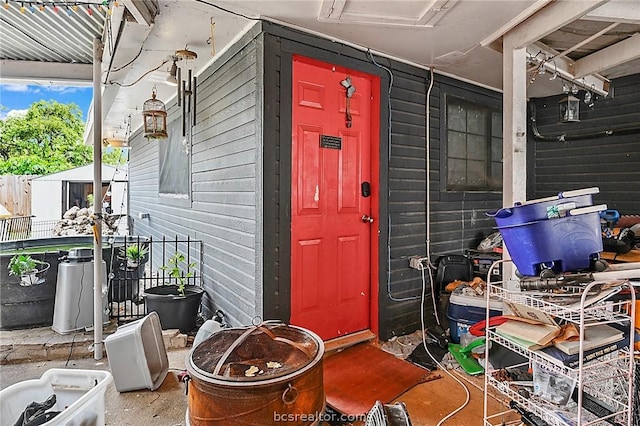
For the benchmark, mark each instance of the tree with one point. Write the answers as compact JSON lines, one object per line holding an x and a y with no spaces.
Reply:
{"x":46,"y":140}
{"x":115,"y":156}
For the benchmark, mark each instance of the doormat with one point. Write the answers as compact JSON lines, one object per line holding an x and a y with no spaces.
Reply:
{"x":357,"y":377}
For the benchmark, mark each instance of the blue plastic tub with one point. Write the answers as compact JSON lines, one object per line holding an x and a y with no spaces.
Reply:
{"x":564,"y":244}
{"x":545,"y":208}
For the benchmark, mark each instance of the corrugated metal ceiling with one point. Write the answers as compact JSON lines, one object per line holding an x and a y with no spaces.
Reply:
{"x":35,"y":31}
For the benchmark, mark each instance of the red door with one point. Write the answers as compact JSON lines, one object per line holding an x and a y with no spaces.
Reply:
{"x":331,"y":244}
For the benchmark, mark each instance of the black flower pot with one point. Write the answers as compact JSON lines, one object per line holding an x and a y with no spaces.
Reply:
{"x":174,"y":310}
{"x":124,"y":285}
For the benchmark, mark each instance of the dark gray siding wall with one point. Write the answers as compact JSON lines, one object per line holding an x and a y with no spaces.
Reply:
{"x":225,"y":211}
{"x":457,"y":219}
{"x":588,"y":156}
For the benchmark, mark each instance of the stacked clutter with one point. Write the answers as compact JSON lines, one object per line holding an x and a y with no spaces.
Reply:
{"x":555,"y":316}
{"x":468,"y":306}
{"x":553,"y":235}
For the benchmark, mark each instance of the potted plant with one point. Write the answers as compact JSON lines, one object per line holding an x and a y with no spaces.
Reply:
{"x":31,"y":271}
{"x":130,"y":269}
{"x":136,"y":255}
{"x":177,"y":302}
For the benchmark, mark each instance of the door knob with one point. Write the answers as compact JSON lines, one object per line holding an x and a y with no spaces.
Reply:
{"x":367,"y":219}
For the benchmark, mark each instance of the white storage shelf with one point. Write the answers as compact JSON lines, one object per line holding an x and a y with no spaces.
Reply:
{"x":606,"y":378}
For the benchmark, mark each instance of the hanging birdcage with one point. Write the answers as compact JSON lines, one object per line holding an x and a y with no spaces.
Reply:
{"x":155,"y":118}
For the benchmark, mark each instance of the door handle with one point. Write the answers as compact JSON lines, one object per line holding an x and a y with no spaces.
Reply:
{"x":366,"y":219}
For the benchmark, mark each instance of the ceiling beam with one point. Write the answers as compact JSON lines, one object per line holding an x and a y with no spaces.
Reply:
{"x":46,"y":72}
{"x":586,"y":41}
{"x":627,"y":12}
{"x":143,"y":11}
{"x":549,"y":19}
{"x":564,"y":67}
{"x":497,"y":35}
{"x":609,"y":57}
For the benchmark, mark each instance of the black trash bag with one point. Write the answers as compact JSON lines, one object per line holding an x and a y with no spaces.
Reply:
{"x":36,"y":413}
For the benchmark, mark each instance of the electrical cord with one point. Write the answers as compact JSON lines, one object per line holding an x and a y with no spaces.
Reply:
{"x":430,"y":265}
{"x":140,"y":78}
{"x":75,"y":322}
{"x":440,"y":366}
{"x":228,"y":11}
{"x":130,"y":62}
{"x":389,"y":293}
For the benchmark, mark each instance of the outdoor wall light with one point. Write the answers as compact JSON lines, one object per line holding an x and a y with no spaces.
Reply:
{"x":115,"y":143}
{"x":569,"y":109}
{"x":155,"y":118}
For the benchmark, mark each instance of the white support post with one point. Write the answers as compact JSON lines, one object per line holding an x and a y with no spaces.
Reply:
{"x":514,"y":131}
{"x":97,"y":200}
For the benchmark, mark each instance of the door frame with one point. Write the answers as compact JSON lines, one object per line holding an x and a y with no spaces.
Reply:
{"x":277,"y":161}
{"x":374,"y":160}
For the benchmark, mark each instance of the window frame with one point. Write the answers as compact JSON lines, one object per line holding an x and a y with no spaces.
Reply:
{"x":174,"y":130}
{"x":485,"y":102}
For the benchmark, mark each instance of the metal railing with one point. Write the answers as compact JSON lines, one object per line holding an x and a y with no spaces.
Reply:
{"x":43,"y":228}
{"x":15,"y":228}
{"x":127,"y":281}
{"x":24,"y":228}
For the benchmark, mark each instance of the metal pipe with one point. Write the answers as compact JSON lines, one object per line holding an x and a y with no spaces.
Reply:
{"x":564,"y":137}
{"x":97,"y":199}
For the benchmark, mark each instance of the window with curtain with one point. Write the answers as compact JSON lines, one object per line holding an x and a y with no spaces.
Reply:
{"x":474,"y":146}
{"x":175,"y":163}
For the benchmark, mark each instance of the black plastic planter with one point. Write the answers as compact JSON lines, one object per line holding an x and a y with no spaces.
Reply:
{"x":124,"y":285}
{"x":175,"y":311}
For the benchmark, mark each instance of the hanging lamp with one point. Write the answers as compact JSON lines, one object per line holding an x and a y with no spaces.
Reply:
{"x":155,"y":118}
{"x":569,"y":108}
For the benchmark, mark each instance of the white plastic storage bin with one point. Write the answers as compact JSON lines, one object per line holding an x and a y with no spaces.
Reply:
{"x":137,"y":355}
{"x":80,"y":396}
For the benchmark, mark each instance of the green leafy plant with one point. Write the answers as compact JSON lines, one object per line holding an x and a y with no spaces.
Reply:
{"x":174,"y":269}
{"x":135,"y":253}
{"x":23,"y":264}
{"x":30,"y":270}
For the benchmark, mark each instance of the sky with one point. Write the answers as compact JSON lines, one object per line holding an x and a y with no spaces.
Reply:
{"x":17,"y":97}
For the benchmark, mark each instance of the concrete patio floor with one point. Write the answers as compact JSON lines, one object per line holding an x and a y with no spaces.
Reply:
{"x":427,"y":403}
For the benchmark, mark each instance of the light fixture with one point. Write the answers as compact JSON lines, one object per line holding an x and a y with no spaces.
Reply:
{"x":587,"y":97}
{"x":115,"y":142}
{"x":569,"y":108}
{"x":173,"y":72}
{"x":574,"y":89}
{"x":155,"y":118}
{"x":565,"y":87}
